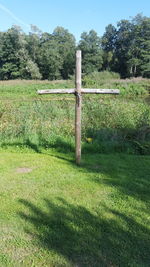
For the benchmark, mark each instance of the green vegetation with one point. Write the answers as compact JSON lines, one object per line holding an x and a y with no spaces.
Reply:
{"x":128,"y":87}
{"x":124,"y":49}
{"x":52,"y":212}
{"x":56,"y":214}
{"x":127,"y":47}
{"x":115,"y":123}
{"x":20,"y":90}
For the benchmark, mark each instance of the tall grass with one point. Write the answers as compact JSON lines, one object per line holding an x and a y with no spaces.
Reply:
{"x":117,"y":124}
{"x":128,"y":87}
{"x":113,"y":123}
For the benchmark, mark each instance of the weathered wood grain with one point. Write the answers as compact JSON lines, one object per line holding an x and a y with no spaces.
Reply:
{"x":56,"y":91}
{"x":78,"y":107}
{"x":100,"y":91}
{"x":78,"y":91}
{"x":82,"y":90}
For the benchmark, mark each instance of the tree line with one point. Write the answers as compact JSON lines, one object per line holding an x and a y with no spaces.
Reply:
{"x":124,"y":49}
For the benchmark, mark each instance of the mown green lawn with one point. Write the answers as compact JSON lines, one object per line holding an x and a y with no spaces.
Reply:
{"x":53,"y":213}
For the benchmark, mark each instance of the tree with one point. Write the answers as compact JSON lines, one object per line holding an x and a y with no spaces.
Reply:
{"x":14,"y":56}
{"x":145,"y":47}
{"x":50,"y":61}
{"x":122,"y":46}
{"x":66,"y":47}
{"x":92,"y":59}
{"x":108,"y":45}
{"x":127,"y":47}
{"x":124,"y":49}
{"x":9,"y":59}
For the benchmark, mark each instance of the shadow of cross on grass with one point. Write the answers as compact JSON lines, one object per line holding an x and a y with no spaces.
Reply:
{"x":84,"y":238}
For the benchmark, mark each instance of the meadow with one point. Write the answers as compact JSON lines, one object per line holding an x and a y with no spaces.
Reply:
{"x":114,"y":123}
{"x":54,"y":213}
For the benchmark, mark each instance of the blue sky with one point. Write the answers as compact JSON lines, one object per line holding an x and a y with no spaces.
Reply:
{"x":76,"y":16}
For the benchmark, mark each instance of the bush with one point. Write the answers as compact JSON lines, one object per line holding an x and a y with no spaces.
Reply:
{"x":132,"y":89}
{"x":97,"y":78}
{"x":128,"y":87}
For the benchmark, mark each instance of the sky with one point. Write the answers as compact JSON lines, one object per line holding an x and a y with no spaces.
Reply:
{"x":76,"y":16}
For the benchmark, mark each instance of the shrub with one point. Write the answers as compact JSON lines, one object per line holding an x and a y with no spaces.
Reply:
{"x":97,"y":78}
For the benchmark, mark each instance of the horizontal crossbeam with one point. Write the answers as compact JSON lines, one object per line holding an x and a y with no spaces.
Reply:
{"x":78,"y":91}
{"x":99,"y":91}
{"x":83,"y":91}
{"x":56,"y":91}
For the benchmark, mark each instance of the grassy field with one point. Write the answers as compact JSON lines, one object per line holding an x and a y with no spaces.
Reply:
{"x":56,"y":214}
{"x":115,"y":123}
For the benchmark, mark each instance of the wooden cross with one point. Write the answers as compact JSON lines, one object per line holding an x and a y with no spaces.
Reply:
{"x":78,"y":91}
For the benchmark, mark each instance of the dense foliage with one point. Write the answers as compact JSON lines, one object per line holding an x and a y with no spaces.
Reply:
{"x":124,"y":49}
{"x":127,"y":47}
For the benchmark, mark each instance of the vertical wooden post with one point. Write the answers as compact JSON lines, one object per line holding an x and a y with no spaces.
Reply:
{"x":78,"y":108}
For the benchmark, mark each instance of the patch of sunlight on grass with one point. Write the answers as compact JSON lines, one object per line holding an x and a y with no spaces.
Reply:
{"x":58,"y":214}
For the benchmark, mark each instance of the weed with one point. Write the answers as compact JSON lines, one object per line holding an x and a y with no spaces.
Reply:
{"x":115,"y":123}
